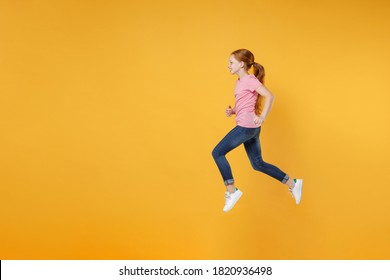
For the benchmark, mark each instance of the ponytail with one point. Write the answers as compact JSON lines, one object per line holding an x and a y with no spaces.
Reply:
{"x":258,"y":71}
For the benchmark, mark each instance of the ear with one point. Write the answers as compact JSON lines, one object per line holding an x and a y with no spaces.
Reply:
{"x":242,"y":64}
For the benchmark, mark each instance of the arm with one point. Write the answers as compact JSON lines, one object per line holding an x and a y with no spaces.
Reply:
{"x":269,"y":100}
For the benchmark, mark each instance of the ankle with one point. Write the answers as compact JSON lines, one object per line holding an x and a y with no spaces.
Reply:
{"x":231,"y":188}
{"x":290,"y":183}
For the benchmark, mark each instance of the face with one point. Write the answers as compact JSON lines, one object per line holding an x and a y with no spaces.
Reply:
{"x":234,"y":65}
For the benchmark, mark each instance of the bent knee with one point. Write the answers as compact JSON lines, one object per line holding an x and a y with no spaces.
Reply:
{"x":215,"y":153}
{"x":258,"y":165}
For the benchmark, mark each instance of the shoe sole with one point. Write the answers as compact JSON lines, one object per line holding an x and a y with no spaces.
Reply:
{"x":300,"y":186}
{"x":234,"y":203}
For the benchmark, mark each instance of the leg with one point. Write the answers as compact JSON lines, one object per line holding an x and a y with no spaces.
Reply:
{"x":253,"y":150}
{"x":233,"y":139}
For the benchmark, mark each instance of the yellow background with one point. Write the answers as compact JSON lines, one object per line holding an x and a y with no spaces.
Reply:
{"x":109,"y":111}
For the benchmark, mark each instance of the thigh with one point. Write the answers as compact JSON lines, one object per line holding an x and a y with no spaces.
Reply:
{"x":252,"y":146}
{"x":232,"y":140}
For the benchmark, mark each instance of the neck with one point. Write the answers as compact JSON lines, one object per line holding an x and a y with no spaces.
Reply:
{"x":242,"y":73}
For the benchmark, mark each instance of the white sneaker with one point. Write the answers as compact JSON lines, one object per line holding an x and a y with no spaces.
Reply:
{"x":231,"y":199}
{"x":297,"y":190}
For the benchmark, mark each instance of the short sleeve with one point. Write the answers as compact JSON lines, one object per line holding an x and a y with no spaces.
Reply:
{"x":253,"y":83}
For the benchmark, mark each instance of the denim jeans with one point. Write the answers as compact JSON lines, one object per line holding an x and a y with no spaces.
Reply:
{"x":250,"y":138}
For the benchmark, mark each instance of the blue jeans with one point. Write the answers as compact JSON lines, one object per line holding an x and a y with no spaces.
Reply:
{"x":250,"y":138}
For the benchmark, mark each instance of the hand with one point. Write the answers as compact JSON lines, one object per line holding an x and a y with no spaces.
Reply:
{"x":229,"y":111}
{"x":259,"y":120}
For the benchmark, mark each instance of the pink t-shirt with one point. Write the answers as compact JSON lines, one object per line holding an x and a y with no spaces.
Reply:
{"x":246,"y":96}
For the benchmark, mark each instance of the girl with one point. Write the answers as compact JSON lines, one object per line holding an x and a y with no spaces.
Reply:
{"x":250,"y":115}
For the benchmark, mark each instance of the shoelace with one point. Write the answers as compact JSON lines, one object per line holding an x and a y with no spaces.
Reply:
{"x":227,"y":197}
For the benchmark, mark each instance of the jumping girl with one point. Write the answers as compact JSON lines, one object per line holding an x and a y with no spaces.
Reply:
{"x":250,"y":115}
